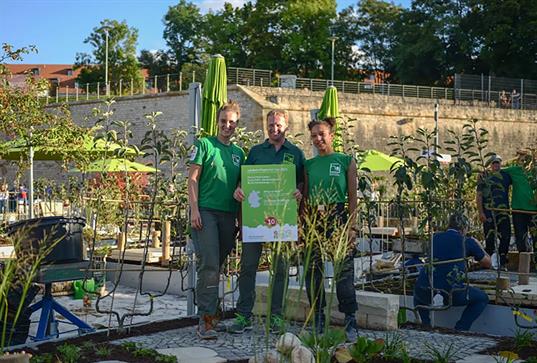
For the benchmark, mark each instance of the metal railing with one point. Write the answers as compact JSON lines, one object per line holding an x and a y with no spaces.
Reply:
{"x":153,"y":85}
{"x":263,"y":78}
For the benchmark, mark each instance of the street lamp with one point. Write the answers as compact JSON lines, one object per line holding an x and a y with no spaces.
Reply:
{"x":333,"y":40}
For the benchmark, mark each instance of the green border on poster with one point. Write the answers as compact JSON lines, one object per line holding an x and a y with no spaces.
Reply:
{"x":269,"y":209}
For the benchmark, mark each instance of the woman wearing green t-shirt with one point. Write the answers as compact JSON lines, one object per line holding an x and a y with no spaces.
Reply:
{"x":214,"y":171}
{"x":330,"y":191}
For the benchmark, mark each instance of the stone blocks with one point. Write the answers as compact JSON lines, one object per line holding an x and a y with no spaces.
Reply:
{"x":377,"y":311}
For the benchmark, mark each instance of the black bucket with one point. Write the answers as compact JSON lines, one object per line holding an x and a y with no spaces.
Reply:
{"x":68,"y":231}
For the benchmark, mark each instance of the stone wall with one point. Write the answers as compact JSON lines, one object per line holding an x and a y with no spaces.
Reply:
{"x":374,"y":117}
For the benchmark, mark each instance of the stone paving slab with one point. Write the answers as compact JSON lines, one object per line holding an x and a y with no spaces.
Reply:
{"x":255,"y":342}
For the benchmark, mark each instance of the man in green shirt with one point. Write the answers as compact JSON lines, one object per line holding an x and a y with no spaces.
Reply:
{"x":275,"y":150}
{"x":523,"y":204}
{"x":213,"y":176}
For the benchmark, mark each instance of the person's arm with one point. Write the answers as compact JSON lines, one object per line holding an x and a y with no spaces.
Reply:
{"x":352,"y":192}
{"x":194,"y":173}
{"x":475,"y":250}
{"x":486,"y":261}
{"x":353,"y":201}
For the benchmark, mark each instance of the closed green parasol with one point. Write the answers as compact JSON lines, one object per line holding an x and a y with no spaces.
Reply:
{"x":214,"y":94}
{"x":377,"y":161}
{"x":330,"y":108}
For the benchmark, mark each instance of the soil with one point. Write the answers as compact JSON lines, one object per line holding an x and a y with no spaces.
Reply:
{"x":509,"y":345}
{"x":101,"y":340}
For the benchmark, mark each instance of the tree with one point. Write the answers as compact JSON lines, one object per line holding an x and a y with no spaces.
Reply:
{"x":227,"y":33}
{"x":183,"y":26}
{"x":306,"y":32}
{"x":157,"y":63}
{"x":375,"y":21}
{"x":346,"y":57}
{"x":508,"y":45}
{"x":122,"y":61}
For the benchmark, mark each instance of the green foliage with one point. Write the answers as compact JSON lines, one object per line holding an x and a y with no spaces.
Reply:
{"x":524,"y":338}
{"x":323,"y":346}
{"x":439,"y":355}
{"x":394,"y":346}
{"x":69,"y":353}
{"x":103,"y":350}
{"x":375,"y":20}
{"x":531,"y":360}
{"x":152,"y":354}
{"x":122,"y":61}
{"x":364,"y":349}
{"x":182,"y":25}
{"x":42,"y":358}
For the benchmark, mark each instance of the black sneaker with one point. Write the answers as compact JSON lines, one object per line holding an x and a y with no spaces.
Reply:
{"x":240,"y":325}
{"x":351,"y":328}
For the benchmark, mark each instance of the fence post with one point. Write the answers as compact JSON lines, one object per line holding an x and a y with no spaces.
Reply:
{"x":87,"y":91}
{"x":490,"y":79}
{"x":120,"y":87}
{"x":445,"y":93}
{"x":237,"y":75}
{"x":520,"y":104}
{"x":357,"y":87}
{"x":261,"y":82}
{"x":143,"y":86}
{"x":66,"y":94}
{"x":193,"y":76}
{"x":180,"y":81}
{"x":46,"y":102}
{"x":168,"y":82}
{"x":388,"y":89}
{"x":57,"y":94}
{"x":253,"y":76}
{"x":132,"y":86}
{"x":403,"y":91}
{"x":311,"y":84}
{"x":343,"y":87}
{"x":156,"y":85}
{"x":98,"y":91}
{"x":76,"y":93}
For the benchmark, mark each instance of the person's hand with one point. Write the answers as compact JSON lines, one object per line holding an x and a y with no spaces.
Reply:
{"x":195,"y":219}
{"x":238,"y":194}
{"x":297,"y":195}
{"x":482,"y":217}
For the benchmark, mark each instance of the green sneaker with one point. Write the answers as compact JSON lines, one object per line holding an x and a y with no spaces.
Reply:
{"x":277,"y":324}
{"x":240,"y":325}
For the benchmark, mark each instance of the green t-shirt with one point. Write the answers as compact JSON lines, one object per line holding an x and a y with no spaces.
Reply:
{"x":266,"y":154}
{"x":327,"y":178}
{"x":522,"y":196}
{"x":221,"y":168}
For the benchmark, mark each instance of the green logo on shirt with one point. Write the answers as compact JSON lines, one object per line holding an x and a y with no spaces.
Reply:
{"x":288,"y":158}
{"x":236,"y":159}
{"x":335,"y":169}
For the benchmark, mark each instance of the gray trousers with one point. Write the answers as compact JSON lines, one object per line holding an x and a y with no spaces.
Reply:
{"x":212,"y":244}
{"x":251,"y":252}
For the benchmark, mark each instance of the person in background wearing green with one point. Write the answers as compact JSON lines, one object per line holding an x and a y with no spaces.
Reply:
{"x":213,"y":175}
{"x":523,"y":203}
{"x":330,"y":192}
{"x":274,"y":150}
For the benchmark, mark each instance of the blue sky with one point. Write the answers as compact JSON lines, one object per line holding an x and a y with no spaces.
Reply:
{"x":58,"y":27}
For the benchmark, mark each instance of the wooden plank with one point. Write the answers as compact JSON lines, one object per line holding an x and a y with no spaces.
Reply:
{"x":136,"y":255}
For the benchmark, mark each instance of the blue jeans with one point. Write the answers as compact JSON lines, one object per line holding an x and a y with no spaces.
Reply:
{"x":475,"y":302}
